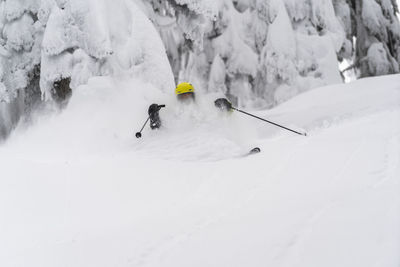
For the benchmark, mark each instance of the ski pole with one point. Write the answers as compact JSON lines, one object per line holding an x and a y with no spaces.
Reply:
{"x":273,"y":123}
{"x":139,"y":134}
{"x":224,"y":104}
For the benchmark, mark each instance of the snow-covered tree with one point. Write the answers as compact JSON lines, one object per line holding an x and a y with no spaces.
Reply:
{"x":298,"y":47}
{"x":231,"y":49}
{"x":375,"y":29}
{"x":207,"y":45}
{"x":70,"y":40}
{"x":20,"y":38}
{"x":50,"y":47}
{"x":182,"y":25}
{"x":278,"y":52}
{"x":257,"y":52}
{"x":19,"y":47}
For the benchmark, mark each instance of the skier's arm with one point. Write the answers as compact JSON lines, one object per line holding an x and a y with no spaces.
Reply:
{"x":154,"y":108}
{"x":155,"y":121}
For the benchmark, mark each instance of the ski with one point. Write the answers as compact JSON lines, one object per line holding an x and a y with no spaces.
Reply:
{"x":255,"y":150}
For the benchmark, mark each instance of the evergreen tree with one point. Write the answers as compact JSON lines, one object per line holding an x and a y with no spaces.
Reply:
{"x":257,"y":52}
{"x":299,"y":48}
{"x":277,"y":52}
{"x":376,"y":30}
{"x":207,"y":45}
{"x":48,"y":48}
{"x":20,"y":38}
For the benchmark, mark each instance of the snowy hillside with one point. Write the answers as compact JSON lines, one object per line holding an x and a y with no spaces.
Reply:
{"x":78,"y":189}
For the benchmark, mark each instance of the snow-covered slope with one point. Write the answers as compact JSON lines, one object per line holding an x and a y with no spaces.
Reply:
{"x":77,"y":189}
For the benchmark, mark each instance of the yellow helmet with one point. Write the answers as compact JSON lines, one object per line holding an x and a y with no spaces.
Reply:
{"x":184,"y":88}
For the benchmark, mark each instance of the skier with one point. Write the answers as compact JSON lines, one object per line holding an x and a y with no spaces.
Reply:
{"x":184,"y":93}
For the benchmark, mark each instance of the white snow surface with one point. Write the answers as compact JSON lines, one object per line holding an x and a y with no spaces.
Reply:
{"x":78,"y":189}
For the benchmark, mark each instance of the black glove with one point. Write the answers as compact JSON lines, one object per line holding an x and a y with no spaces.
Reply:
{"x":223,"y":104}
{"x":154,"y":108}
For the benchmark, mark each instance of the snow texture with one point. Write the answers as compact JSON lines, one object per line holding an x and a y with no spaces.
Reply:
{"x":78,"y":189}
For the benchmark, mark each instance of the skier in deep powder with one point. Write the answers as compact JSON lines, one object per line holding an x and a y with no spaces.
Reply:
{"x":185,"y":94}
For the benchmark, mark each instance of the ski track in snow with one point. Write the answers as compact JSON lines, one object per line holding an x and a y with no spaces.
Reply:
{"x":304,"y":230}
{"x":391,"y":162}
